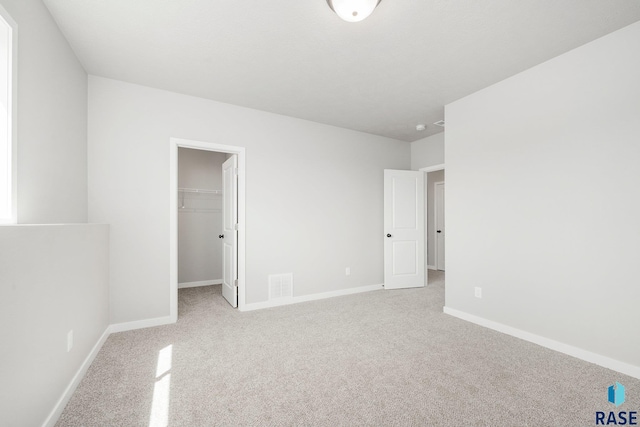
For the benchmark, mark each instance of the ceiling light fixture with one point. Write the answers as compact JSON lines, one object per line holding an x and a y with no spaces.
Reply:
{"x":421,"y":127}
{"x":353,"y":10}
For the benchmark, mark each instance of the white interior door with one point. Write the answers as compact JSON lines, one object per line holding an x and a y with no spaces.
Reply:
{"x":440,"y":234}
{"x":229,"y":230}
{"x":404,"y":229}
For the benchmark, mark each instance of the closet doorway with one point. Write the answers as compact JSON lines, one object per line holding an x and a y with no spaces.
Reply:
{"x":199,"y":217}
{"x":439,"y":225}
{"x":435,"y":178}
{"x":207,"y":237}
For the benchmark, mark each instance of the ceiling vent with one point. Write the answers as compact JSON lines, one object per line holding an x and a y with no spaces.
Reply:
{"x":439,"y":123}
{"x":280,"y":286}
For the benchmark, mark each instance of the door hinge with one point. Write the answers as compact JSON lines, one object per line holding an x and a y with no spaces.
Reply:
{"x":236,"y":227}
{"x":235,"y":283}
{"x":235,"y":171}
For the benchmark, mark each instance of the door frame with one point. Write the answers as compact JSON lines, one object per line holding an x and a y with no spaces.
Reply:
{"x":426,"y":171}
{"x":174,"y":144}
{"x":435,"y":223}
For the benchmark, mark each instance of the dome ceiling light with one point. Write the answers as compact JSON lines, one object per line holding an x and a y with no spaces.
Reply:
{"x":353,"y":10}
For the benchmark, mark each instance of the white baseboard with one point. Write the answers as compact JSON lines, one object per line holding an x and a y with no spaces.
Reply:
{"x":431,"y":267}
{"x":606,"y":362}
{"x":200,"y":283}
{"x":68,"y":392}
{"x":303,"y":298}
{"x":118,"y":327}
{"x":139,"y":324}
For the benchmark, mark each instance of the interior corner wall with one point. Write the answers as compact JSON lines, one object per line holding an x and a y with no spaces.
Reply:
{"x":542,"y":199}
{"x":428,"y":151}
{"x":52,"y":120}
{"x":314,"y":193}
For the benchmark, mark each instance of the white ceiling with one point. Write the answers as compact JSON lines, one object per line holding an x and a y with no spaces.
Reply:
{"x":383,"y":75}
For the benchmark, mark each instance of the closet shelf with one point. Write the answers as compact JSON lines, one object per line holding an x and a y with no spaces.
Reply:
{"x":199,"y":190}
{"x":198,"y":210}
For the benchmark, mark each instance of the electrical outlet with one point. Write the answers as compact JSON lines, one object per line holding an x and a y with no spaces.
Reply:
{"x":478,"y":292}
{"x":69,"y":340}
{"x":347,"y":271}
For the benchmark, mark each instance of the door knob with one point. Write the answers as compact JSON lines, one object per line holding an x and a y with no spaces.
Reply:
{"x":439,"y":231}
{"x":388,"y":235}
{"x":221,"y":236}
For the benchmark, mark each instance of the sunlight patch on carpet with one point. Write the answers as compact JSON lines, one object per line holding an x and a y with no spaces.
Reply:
{"x":159,"y":416}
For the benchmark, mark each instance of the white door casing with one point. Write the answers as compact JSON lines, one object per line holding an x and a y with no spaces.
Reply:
{"x":440,"y":232}
{"x":229,"y":230}
{"x":404,"y":229}
{"x":240,"y":152}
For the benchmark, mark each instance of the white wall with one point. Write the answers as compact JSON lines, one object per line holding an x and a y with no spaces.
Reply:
{"x":200,"y":221}
{"x":428,"y":151}
{"x":542,"y":199}
{"x":54,"y":279}
{"x":314,"y":193}
{"x":432,"y":178}
{"x":52,"y":120}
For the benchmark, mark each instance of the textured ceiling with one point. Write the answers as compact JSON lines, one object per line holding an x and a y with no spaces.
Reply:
{"x":383,"y":75}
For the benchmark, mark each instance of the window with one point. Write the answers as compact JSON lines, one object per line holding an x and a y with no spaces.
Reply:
{"x":7,"y":140}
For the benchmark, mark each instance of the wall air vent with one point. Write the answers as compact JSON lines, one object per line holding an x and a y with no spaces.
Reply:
{"x":439,"y":123}
{"x":280,"y":286}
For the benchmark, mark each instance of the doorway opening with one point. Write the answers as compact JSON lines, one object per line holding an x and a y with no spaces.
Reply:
{"x":207,"y":217}
{"x":438,"y":221}
{"x":435,"y":217}
{"x":200,"y":205}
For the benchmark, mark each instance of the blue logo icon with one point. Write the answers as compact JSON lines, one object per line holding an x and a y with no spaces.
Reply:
{"x":616,"y":394}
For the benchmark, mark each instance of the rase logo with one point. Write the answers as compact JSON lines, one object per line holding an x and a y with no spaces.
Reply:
{"x":616,"y":396}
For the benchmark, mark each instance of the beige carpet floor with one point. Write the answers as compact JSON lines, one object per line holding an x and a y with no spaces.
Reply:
{"x":383,"y":358}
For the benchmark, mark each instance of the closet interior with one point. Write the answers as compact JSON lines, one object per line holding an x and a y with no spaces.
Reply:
{"x":199,"y":217}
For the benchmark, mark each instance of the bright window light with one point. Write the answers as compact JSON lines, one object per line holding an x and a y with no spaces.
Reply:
{"x":7,"y":170}
{"x":159,"y":416}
